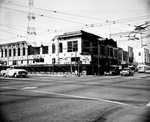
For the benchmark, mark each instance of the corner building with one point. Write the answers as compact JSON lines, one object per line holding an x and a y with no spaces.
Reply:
{"x":77,"y":50}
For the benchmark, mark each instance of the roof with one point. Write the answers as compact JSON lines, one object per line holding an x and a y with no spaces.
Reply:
{"x":18,"y":42}
{"x":78,"y":33}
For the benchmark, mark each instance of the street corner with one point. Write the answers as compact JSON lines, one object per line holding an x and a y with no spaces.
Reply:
{"x":141,"y":114}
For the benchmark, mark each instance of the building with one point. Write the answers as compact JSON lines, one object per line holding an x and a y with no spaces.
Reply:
{"x":94,"y":54}
{"x":77,"y":50}
{"x":14,"y":53}
{"x":142,"y":56}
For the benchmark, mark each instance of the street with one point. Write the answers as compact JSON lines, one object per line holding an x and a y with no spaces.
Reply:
{"x":72,"y":99}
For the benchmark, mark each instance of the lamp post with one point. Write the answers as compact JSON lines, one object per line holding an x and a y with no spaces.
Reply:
{"x":74,"y":48}
{"x":71,"y":64}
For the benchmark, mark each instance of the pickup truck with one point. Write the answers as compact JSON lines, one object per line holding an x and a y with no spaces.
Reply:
{"x":14,"y":72}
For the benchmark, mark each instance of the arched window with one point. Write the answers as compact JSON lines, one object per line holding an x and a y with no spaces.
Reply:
{"x":5,"y":52}
{"x":53,"y":48}
{"x":60,"y":47}
{"x":24,"y":50}
{"x":18,"y":51}
{"x":1,"y":52}
{"x":14,"y":52}
{"x":9,"y":52}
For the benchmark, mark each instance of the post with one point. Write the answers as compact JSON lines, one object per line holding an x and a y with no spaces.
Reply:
{"x":71,"y":63}
{"x":98,"y":48}
{"x":79,"y":68}
{"x":110,"y":29}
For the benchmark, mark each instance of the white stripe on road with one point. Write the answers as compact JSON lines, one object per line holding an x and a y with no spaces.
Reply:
{"x":74,"y":96}
{"x":148,"y":104}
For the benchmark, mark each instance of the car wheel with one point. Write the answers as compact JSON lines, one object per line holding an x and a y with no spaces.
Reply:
{"x":4,"y":75}
{"x":15,"y":75}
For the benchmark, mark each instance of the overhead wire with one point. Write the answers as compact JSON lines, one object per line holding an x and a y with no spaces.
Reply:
{"x":8,"y":32}
{"x":122,"y":21}
{"x":117,"y":21}
{"x":84,"y":25}
{"x":77,"y":15}
{"x":42,"y":15}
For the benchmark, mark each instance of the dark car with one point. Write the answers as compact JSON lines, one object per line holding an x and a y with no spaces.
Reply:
{"x":112,"y":72}
{"x":127,"y":72}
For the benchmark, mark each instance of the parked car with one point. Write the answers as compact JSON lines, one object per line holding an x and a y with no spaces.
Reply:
{"x":14,"y":72}
{"x":127,"y":72}
{"x":147,"y":71}
{"x":114,"y":70}
{"x":143,"y":68}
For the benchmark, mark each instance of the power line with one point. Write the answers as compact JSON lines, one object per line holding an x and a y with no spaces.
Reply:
{"x":8,"y":32}
{"x":41,"y":15}
{"x":13,"y":28}
{"x":116,"y":21}
{"x":85,"y":25}
{"x":53,"y":11}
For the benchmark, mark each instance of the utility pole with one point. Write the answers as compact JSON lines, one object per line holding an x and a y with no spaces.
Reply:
{"x":31,"y":32}
{"x":98,"y":53}
{"x":98,"y":48}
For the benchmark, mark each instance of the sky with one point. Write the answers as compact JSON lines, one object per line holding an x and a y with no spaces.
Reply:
{"x":55,"y":17}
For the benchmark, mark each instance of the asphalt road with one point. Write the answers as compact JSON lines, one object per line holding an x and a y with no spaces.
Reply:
{"x":75,"y":99}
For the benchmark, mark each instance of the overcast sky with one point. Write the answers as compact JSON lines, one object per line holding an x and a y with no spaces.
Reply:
{"x":68,"y":15}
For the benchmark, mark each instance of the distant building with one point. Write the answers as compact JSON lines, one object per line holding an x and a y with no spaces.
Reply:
{"x":141,"y":56}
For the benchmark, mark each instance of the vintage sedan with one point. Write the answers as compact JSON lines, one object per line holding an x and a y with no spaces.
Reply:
{"x":127,"y":72}
{"x":112,"y":72}
{"x":14,"y":72}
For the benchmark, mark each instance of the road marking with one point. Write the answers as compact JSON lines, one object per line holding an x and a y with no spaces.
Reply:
{"x":148,"y":104}
{"x":72,"y":96}
{"x":29,"y":87}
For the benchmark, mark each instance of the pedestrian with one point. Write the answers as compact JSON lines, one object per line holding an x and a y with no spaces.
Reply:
{"x":76,"y":72}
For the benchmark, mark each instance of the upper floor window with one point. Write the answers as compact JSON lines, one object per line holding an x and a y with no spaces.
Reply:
{"x":60,"y":47}
{"x":9,"y":52}
{"x":33,"y":50}
{"x":24,"y":50}
{"x":86,"y":46}
{"x":1,"y":52}
{"x":111,"y":52}
{"x":14,"y":52}
{"x":115,"y":53}
{"x":45,"y":50}
{"x":108,"y":51}
{"x":72,"y":46}
{"x":102,"y":50}
{"x":5,"y":52}
{"x":53,"y":48}
{"x":18,"y":51}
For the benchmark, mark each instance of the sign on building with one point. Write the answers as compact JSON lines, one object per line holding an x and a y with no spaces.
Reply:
{"x":86,"y":59}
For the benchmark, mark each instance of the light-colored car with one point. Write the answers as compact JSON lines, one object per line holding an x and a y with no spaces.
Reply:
{"x":147,"y":71}
{"x":14,"y":72}
{"x":127,"y":72}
